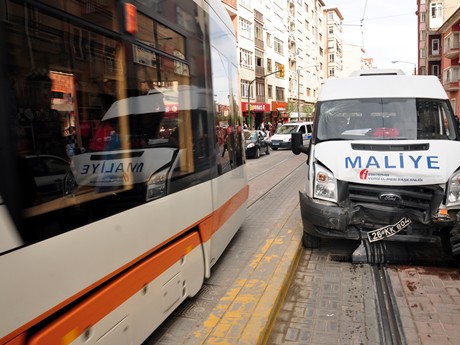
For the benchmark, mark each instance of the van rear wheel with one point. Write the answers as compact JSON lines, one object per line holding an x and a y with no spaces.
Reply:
{"x":310,"y":241}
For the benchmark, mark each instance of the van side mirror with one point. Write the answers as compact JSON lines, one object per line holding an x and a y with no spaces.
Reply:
{"x":297,"y":144}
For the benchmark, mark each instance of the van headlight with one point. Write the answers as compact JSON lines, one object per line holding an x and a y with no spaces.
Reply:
{"x":251,"y":145}
{"x":453,"y":190}
{"x":325,"y":184}
{"x":156,"y":185}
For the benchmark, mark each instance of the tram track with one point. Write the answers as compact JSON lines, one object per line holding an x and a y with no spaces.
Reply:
{"x":268,"y":178}
{"x":391,"y":330}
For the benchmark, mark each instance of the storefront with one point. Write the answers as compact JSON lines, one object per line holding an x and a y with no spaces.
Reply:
{"x":258,"y":112}
{"x":279,"y":112}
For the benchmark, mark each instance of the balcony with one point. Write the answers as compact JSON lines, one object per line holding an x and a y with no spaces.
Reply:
{"x":258,"y":16}
{"x":451,"y":87}
{"x":260,"y":99}
{"x":231,"y":3}
{"x":259,"y":43}
{"x":452,"y":45}
{"x":452,"y":52}
{"x":451,"y":79}
{"x":260,"y":71}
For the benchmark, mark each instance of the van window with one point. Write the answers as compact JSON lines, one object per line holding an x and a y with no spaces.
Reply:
{"x":378,"y":119}
{"x":286,"y":129}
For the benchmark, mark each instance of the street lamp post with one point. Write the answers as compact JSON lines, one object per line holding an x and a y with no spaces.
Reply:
{"x":298,"y":87}
{"x":411,"y":63}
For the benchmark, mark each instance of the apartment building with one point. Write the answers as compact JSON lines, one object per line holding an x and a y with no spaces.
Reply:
{"x":273,"y":36}
{"x":354,"y":59}
{"x":334,"y":49}
{"x":306,"y":46}
{"x":439,"y":41}
{"x":450,"y":64}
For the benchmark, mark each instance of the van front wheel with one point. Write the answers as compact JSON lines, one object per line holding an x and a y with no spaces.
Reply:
{"x":310,"y":241}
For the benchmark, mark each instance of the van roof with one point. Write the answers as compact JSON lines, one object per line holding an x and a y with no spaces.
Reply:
{"x":298,"y":123}
{"x":187,"y":97}
{"x":382,"y":71}
{"x":382,"y":86}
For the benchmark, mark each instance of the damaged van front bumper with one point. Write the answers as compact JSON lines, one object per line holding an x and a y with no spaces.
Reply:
{"x":375,"y":222}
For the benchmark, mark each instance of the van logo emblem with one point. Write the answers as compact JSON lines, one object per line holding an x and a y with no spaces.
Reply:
{"x":390,"y":197}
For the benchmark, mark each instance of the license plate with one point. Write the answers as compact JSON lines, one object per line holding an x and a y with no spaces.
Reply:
{"x":389,"y":230}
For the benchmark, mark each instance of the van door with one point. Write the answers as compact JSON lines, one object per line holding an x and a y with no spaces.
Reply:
{"x":303,"y":129}
{"x":309,"y":131}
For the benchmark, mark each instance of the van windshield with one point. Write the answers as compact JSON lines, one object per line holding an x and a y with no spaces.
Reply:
{"x":286,"y":129}
{"x":384,"y":119}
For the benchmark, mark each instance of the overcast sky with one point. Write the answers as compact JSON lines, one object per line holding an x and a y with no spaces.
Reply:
{"x":388,"y":31}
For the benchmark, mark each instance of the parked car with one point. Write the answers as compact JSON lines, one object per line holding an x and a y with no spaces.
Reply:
{"x":256,"y":143}
{"x":49,"y":172}
{"x":282,"y":137}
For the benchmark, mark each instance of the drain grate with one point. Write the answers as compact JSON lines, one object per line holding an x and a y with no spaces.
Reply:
{"x":339,"y":258}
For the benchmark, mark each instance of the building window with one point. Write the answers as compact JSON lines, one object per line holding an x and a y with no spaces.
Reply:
{"x":245,"y":28}
{"x":331,"y":29}
{"x":270,"y":91}
{"x":245,"y":3}
{"x":269,"y":66}
{"x":260,"y":89}
{"x":422,"y":17}
{"x":331,"y":57}
{"x":269,"y":39}
{"x":259,"y":31}
{"x":331,"y":72}
{"x":278,"y":46}
{"x":422,"y":53}
{"x":246,"y":89}
{"x":453,"y":102}
{"x":330,"y":15}
{"x":435,"y":70}
{"x":436,"y":10}
{"x":435,"y":46}
{"x":279,"y":94}
{"x":246,"y":59}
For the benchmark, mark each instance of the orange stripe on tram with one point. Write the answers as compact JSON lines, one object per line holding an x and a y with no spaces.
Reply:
{"x":209,"y":226}
{"x":73,"y":323}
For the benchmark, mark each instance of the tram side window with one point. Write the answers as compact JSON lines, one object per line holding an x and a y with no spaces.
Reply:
{"x":228,"y":123}
{"x":78,"y":102}
{"x":99,"y":12}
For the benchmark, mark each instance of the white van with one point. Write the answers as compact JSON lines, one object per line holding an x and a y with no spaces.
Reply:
{"x":141,"y":142}
{"x":282,"y":136}
{"x":383,"y":163}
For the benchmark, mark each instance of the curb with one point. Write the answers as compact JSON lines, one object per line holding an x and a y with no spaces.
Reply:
{"x":246,"y":313}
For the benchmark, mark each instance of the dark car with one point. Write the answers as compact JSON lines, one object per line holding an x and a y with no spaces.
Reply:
{"x":49,"y":172}
{"x":256,"y":143}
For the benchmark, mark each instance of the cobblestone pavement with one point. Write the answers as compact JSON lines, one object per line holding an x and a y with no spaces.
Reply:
{"x":329,"y":302}
{"x":428,"y":300}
